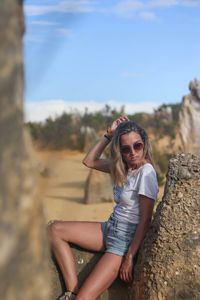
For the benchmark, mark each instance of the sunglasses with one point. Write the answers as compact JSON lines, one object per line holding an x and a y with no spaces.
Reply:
{"x":127,"y":149}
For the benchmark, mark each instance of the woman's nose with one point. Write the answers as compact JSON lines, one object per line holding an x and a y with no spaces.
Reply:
{"x":132,"y":150}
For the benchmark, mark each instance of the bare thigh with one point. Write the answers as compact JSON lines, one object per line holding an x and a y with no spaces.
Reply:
{"x":102,"y":276}
{"x":87,"y":235}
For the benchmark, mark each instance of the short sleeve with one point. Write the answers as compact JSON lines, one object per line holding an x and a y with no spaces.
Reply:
{"x":148,"y":184}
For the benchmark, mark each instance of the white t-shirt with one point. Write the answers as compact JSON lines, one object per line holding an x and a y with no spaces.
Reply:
{"x":140,"y":182}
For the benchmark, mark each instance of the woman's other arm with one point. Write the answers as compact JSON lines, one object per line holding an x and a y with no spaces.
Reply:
{"x":146,"y":209}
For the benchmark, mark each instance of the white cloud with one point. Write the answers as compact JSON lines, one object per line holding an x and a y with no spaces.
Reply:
{"x":125,"y":8}
{"x":44,"y":23}
{"x":147,"y":15}
{"x":62,"y":7}
{"x":163,"y":3}
{"x":39,"y":111}
{"x":192,"y":3}
{"x":128,"y":7}
{"x":29,"y":37}
{"x":64,"y":31}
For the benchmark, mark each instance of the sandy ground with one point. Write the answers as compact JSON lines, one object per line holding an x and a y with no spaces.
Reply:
{"x":62,"y":192}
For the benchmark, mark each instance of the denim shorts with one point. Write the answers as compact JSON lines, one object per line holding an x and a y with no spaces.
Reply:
{"x":117,"y":235}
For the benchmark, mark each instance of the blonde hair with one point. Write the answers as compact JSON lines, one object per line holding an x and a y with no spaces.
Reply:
{"x":119,"y":168}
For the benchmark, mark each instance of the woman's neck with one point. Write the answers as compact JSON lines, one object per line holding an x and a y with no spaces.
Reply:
{"x":137,"y":166}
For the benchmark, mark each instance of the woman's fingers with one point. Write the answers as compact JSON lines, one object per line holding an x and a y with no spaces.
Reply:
{"x":123,"y":119}
{"x":126,"y":118}
{"x":122,"y":276}
{"x":126,"y":277}
{"x":130,"y":277}
{"x":126,"y":273}
{"x":118,"y":121}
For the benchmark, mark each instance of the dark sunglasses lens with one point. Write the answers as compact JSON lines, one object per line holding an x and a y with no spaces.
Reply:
{"x":138,"y":146}
{"x":125,"y":150}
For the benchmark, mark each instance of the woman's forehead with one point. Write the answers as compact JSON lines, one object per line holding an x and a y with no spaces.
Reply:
{"x":130,"y":137}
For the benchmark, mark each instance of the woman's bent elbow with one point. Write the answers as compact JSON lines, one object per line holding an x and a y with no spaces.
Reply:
{"x":86,"y":163}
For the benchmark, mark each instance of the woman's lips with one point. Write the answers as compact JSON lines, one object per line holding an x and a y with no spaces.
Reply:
{"x":133,"y":158}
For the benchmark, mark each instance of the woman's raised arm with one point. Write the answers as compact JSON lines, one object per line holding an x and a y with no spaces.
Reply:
{"x":93,"y":160}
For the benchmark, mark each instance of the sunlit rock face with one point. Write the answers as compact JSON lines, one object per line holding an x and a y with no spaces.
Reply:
{"x":168,"y":265}
{"x":189,"y":118}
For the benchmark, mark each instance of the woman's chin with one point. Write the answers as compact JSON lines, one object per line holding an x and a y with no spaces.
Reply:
{"x":135,"y":163}
{"x":132,"y":165}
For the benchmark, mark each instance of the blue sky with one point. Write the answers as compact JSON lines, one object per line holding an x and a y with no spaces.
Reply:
{"x":77,"y":54}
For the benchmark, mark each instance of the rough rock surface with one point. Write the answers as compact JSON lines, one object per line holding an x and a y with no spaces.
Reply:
{"x":168,"y":266}
{"x":98,"y":188}
{"x":23,"y":243}
{"x":85,"y":262}
{"x":189,"y":119}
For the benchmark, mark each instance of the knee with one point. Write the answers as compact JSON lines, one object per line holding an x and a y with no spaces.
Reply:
{"x":53,"y":230}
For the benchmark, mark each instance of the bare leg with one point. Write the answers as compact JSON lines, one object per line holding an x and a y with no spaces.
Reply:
{"x":104,"y":273}
{"x":87,"y":235}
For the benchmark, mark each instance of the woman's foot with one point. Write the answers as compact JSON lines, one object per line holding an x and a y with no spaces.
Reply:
{"x":67,"y":296}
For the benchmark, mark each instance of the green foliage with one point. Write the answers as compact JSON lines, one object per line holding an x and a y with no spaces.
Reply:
{"x":69,"y":129}
{"x":140,"y":118}
{"x":56,"y":134}
{"x":160,"y":178}
{"x":161,"y":159}
{"x":164,"y":120}
{"x":34,"y":129}
{"x":167,"y":122}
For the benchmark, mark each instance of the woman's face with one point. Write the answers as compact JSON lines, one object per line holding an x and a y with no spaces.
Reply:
{"x":131,"y":147}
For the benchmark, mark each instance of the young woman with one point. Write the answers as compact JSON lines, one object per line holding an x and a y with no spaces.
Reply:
{"x":135,"y":191}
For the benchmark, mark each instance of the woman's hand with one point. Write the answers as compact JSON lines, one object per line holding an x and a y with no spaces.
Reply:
{"x":126,"y":270}
{"x":117,"y":122}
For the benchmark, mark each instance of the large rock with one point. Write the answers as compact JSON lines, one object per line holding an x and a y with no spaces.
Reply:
{"x":23,"y":242}
{"x":168,"y":266}
{"x":98,"y":188}
{"x":189,"y":119}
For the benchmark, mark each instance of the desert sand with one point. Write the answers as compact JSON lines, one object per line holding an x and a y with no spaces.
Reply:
{"x":62,"y":190}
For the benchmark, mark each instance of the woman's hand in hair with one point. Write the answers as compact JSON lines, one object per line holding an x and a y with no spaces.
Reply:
{"x":117,"y":122}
